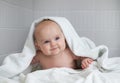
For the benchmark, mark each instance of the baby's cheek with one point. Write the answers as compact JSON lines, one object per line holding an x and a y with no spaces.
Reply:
{"x":64,"y":46}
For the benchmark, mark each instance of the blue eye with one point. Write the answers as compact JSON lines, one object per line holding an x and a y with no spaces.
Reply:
{"x":57,"y":38}
{"x":46,"y":42}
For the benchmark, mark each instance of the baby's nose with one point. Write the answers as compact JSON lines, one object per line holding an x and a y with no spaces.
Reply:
{"x":53,"y":43}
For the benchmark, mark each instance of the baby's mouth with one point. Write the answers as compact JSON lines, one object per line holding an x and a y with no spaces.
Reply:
{"x":53,"y":49}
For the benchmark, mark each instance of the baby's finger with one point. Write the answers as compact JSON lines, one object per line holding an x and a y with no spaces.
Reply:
{"x":84,"y":65}
{"x":89,"y":61}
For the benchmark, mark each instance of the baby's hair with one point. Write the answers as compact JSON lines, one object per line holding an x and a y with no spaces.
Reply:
{"x":43,"y":21}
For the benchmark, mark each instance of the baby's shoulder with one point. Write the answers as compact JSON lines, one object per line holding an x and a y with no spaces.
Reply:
{"x":70,"y":53}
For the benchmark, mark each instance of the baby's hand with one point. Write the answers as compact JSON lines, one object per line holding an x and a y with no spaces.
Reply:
{"x":86,"y":62}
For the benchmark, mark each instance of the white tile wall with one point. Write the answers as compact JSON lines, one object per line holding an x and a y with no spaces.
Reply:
{"x":16,"y":17}
{"x":68,"y":5}
{"x":12,"y":40}
{"x":28,"y":4}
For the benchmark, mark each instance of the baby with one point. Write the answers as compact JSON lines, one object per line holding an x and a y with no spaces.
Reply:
{"x":52,"y":49}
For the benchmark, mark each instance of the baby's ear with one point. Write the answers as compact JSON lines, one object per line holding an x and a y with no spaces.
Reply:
{"x":36,"y":45}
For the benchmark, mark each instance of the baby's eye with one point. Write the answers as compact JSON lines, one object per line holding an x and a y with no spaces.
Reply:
{"x":46,"y":42}
{"x":57,"y":38}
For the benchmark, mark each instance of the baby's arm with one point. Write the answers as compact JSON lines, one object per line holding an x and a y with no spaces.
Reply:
{"x":35,"y":60}
{"x":86,"y":62}
{"x":35,"y":63}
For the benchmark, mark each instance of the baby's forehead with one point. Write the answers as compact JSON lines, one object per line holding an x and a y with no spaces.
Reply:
{"x":47,"y":25}
{"x":50,"y":24}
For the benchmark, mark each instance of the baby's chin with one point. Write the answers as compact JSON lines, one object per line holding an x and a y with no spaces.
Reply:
{"x":55,"y":54}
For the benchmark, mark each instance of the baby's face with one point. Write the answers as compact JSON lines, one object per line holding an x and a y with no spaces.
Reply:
{"x":49,"y":38}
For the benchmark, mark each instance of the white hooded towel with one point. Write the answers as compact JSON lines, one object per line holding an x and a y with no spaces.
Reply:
{"x":14,"y":64}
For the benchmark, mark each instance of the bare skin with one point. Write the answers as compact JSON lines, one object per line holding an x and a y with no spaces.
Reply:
{"x":52,"y":50}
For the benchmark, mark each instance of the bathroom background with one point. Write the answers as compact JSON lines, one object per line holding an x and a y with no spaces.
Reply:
{"x":98,"y":20}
